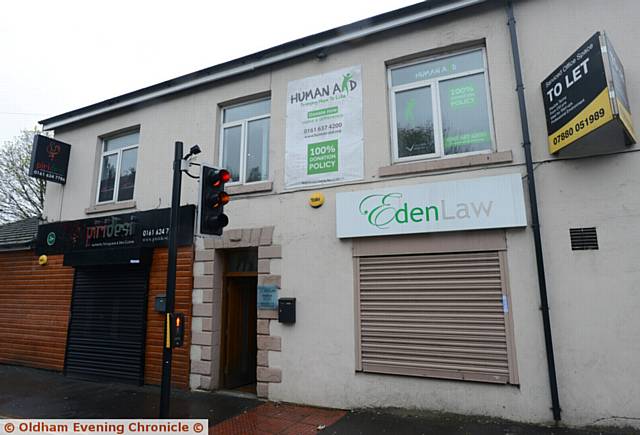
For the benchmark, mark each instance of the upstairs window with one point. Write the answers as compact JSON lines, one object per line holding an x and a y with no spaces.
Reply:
{"x":244,"y":140}
{"x":440,"y":107}
{"x":118,"y":168}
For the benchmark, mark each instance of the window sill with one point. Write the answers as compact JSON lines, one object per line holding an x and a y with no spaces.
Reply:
{"x":443,"y":164}
{"x":243,"y":189}
{"x":101,"y":208}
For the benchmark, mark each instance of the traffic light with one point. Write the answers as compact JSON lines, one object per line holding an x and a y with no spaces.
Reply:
{"x":212,"y":200}
{"x":175,"y":330}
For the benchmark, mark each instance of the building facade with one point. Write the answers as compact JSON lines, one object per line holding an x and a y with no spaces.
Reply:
{"x":426,"y":293}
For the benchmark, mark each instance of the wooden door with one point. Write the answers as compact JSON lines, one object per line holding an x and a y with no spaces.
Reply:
{"x":240,"y":347}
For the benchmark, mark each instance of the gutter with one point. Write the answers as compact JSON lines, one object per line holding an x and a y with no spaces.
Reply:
{"x":367,"y":30}
{"x":535,"y":224}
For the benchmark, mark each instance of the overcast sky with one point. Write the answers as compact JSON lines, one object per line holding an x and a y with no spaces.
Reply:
{"x":59,"y":55}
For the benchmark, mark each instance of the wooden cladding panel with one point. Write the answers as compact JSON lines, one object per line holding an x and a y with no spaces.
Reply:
{"x":34,"y":306}
{"x":155,"y":321}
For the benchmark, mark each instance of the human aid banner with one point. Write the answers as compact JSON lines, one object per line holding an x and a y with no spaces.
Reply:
{"x":324,"y":139}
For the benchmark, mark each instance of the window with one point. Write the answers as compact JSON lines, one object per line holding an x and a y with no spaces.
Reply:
{"x":118,"y":168}
{"x":244,"y":141}
{"x":440,"y":107}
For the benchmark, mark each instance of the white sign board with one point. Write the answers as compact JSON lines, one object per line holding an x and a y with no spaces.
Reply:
{"x":324,"y":142}
{"x":470,"y":204}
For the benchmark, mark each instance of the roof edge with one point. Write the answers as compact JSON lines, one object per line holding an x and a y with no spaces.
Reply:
{"x":274,"y":55}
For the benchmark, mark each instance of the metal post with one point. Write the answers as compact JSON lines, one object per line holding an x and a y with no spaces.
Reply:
{"x":165,"y":386}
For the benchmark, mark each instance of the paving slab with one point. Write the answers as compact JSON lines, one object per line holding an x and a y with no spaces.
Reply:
{"x":282,"y":419}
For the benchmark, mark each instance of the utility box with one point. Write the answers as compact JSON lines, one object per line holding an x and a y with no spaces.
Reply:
{"x":161,"y":303}
{"x":287,"y":310}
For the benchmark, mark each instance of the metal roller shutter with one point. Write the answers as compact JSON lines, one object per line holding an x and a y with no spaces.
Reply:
{"x":107,"y":329}
{"x":435,"y":315}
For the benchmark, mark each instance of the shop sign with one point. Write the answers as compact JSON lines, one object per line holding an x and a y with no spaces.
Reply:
{"x":324,"y":138}
{"x":145,"y":229}
{"x":49,"y":159}
{"x":583,"y":95}
{"x":470,"y":204}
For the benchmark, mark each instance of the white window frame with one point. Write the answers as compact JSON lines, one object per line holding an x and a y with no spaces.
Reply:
{"x":244,"y":123}
{"x":434,"y":84}
{"x":119,"y":151}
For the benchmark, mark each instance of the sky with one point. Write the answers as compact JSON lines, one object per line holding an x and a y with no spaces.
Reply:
{"x":56,"y":56}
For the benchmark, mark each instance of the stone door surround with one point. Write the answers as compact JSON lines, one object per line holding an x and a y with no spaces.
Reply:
{"x":207,"y":307}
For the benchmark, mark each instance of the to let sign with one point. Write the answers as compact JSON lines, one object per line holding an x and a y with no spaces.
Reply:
{"x":585,"y":101}
{"x":49,"y":159}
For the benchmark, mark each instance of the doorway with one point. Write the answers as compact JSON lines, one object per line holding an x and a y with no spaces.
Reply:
{"x":239,"y":320}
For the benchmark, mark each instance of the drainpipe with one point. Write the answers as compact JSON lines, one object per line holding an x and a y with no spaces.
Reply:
{"x":535,"y":224}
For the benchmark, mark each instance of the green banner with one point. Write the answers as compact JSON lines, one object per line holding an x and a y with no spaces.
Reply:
{"x":322,"y":112}
{"x":322,"y":157}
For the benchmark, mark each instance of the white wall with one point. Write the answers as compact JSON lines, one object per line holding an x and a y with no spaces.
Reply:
{"x":593,"y":294}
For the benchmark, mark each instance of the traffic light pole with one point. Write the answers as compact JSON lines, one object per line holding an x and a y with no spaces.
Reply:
{"x":165,"y":386}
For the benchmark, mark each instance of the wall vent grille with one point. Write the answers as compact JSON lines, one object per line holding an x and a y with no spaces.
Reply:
{"x":583,"y":238}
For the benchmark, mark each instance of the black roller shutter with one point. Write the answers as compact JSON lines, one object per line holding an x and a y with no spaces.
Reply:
{"x":106,"y":335}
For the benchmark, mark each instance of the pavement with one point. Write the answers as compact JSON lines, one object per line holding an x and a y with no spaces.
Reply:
{"x":34,"y":393}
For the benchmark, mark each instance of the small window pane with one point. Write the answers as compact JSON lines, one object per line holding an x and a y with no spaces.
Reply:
{"x":121,"y":141}
{"x":465,"y":117}
{"x":127,"y":174}
{"x":242,"y":260}
{"x":257,"y":150}
{"x":231,"y":151}
{"x":108,"y":178}
{"x":438,"y":68}
{"x":414,"y":121}
{"x":245,"y":111}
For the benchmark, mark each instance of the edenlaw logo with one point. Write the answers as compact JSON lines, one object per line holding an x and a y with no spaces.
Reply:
{"x":382,"y":210}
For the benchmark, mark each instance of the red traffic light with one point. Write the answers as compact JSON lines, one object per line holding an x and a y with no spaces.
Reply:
{"x":221,"y":177}
{"x":224,"y":175}
{"x":212,"y":200}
